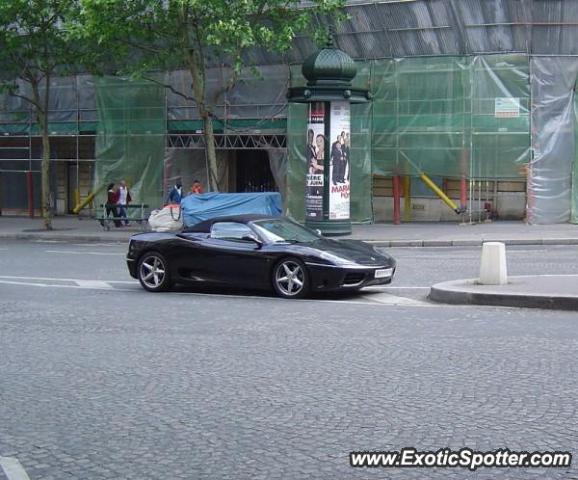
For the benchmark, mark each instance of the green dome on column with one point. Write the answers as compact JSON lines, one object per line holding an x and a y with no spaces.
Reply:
{"x":330,"y":65}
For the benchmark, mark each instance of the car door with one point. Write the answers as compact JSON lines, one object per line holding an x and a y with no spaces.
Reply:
{"x":233,"y":259}
{"x":190,"y":258}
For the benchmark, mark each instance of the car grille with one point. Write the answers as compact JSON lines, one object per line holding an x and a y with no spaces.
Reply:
{"x":353,"y":278}
{"x":370,"y":263}
{"x":370,"y":260}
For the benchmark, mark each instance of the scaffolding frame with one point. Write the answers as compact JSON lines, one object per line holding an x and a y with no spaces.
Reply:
{"x":229,"y":141}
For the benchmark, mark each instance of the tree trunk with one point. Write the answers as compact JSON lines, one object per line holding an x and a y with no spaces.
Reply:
{"x":209,"y":135}
{"x":45,"y":175}
{"x":42,"y":119}
{"x":196,"y":68}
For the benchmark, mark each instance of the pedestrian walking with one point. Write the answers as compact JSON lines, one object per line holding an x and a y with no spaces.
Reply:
{"x":124,"y":199}
{"x":111,"y":204}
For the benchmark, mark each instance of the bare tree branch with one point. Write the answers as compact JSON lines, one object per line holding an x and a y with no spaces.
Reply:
{"x":24,"y":97}
{"x":145,"y":48}
{"x":171,"y":88}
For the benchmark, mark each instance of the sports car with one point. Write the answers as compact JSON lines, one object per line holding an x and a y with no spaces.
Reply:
{"x":256,"y":251}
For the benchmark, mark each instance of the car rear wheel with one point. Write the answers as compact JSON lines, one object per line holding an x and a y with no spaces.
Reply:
{"x":153,"y":272}
{"x":290,"y":279}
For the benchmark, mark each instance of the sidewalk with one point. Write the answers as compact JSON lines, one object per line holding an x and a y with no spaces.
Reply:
{"x":436,"y":234}
{"x":559,"y":292}
{"x":83,"y":229}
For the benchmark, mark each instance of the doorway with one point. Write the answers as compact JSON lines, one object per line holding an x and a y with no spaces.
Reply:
{"x":253,"y":173}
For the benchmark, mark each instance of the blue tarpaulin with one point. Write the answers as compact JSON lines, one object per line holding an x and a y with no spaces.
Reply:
{"x":196,"y":208}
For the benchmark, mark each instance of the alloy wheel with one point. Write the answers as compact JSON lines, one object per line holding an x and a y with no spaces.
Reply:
{"x":290,"y":278}
{"x":152,"y":272}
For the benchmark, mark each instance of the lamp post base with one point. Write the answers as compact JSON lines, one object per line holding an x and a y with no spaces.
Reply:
{"x":330,"y":228}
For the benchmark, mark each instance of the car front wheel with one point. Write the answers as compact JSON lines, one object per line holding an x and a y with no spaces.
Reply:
{"x":153,"y":272}
{"x":290,"y":279}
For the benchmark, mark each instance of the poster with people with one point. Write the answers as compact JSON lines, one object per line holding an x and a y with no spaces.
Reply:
{"x":339,"y":162}
{"x":315,"y":155}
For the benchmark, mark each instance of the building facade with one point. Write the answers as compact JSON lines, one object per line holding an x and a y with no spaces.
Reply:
{"x":473,"y":93}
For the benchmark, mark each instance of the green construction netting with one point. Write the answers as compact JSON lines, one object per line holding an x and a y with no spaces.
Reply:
{"x":452,"y":116}
{"x":574,"y":181}
{"x":130,"y":140}
{"x":574,"y":200}
{"x":445,"y":116}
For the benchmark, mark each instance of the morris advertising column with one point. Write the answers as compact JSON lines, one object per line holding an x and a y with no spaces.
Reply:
{"x":328,"y":93}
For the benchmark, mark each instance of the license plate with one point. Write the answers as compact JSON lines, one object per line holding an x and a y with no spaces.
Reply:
{"x":384,"y":272}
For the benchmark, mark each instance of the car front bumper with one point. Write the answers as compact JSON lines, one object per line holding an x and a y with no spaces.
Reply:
{"x":132,"y":266}
{"x":345,"y":277}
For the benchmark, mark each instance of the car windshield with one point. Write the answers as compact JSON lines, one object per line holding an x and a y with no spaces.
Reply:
{"x":282,"y":230}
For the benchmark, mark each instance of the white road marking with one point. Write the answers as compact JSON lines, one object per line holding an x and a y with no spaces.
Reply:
{"x":97,"y":284}
{"x":376,"y":299}
{"x":8,"y":282}
{"x":31,"y":284}
{"x":392,"y":300}
{"x":49,"y":241}
{"x":358,"y":301}
{"x":82,"y":252}
{"x":56,"y":279}
{"x":96,"y":245}
{"x":13,"y":469}
{"x":389,"y":299}
{"x":386,"y":287}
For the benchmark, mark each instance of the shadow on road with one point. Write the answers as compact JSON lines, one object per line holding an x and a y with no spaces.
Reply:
{"x":264,"y":293}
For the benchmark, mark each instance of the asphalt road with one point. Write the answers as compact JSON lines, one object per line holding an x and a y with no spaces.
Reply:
{"x":101,"y":380}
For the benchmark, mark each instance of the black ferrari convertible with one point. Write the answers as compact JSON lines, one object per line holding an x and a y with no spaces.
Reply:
{"x":256,"y":251}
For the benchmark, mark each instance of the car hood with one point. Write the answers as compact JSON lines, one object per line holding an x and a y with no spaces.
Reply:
{"x":352,"y":251}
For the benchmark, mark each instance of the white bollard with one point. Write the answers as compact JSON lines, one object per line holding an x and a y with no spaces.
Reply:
{"x":493,"y":269}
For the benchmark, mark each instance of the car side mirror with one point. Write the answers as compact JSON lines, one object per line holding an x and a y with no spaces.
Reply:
{"x":252,"y":238}
{"x":318,"y":232}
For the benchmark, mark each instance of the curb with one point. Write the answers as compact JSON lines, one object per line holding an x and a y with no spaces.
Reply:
{"x":64,"y":238}
{"x":471,"y":243}
{"x":460,"y":292}
{"x":102,"y":237}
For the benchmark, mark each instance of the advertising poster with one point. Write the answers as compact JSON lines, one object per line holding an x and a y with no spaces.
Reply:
{"x":339,"y":161}
{"x":315,"y":155}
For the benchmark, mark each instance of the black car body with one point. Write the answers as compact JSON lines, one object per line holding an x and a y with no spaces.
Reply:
{"x":256,"y":251}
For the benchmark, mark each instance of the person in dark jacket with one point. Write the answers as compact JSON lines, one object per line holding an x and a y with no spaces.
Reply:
{"x":176,"y":194}
{"x":111,"y":201}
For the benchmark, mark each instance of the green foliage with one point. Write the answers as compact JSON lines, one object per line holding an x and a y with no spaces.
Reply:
{"x":35,"y":47}
{"x":34,"y":44}
{"x":165,"y":34}
{"x":148,"y":35}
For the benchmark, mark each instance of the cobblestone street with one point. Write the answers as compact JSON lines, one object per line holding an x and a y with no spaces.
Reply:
{"x":117,"y":383}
